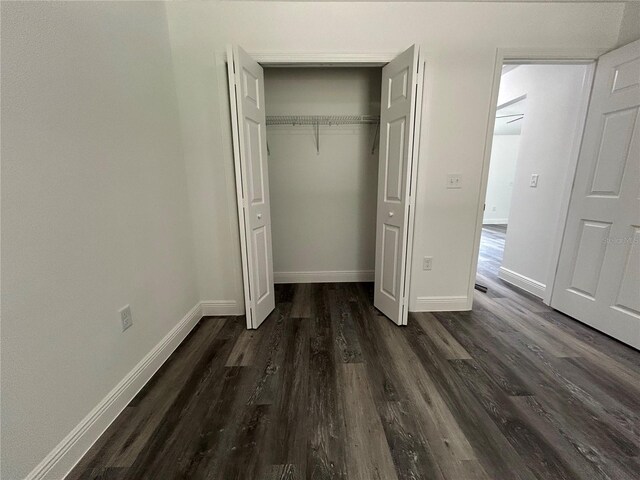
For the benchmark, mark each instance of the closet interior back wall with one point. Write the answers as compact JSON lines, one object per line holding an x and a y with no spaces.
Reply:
{"x":323,"y":203}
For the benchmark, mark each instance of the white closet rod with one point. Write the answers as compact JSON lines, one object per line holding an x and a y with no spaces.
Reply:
{"x":325,"y":120}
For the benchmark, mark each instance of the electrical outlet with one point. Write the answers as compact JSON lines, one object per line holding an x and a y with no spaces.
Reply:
{"x":454,"y":180}
{"x":125,"y":317}
{"x":533,"y":183}
{"x":427,"y":263}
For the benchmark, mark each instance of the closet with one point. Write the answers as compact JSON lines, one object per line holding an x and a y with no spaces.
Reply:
{"x":322,"y":147}
{"x":325,"y":172}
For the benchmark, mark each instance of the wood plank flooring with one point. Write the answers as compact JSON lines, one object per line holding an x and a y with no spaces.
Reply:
{"x":328,"y":388}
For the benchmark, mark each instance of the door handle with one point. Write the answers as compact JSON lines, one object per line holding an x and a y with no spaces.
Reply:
{"x":259,"y":216}
{"x":391,"y":214}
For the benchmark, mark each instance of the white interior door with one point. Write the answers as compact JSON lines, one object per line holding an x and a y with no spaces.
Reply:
{"x":246,"y":90}
{"x":598,"y":276}
{"x":397,"y":126}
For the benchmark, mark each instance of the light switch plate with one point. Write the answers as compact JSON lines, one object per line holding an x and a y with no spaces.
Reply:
{"x":125,"y":317}
{"x":454,"y":180}
{"x":533,"y":183}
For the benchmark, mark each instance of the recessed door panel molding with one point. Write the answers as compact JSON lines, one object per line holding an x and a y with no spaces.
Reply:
{"x":394,"y":161}
{"x":389,"y":272}
{"x":246,"y":89}
{"x":257,"y":165}
{"x":398,"y":87}
{"x":261,"y":258}
{"x":615,"y":143}
{"x":251,"y":87}
{"x":626,"y":75}
{"x":628,"y":297}
{"x":592,"y":244}
{"x":396,"y":171}
{"x":598,"y":274}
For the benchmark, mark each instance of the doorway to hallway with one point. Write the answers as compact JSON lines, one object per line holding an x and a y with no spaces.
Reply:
{"x":539,"y":117}
{"x":491,"y":252}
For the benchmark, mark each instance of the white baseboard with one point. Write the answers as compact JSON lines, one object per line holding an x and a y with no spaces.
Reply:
{"x":72,"y":448}
{"x":324,"y":277}
{"x":525,"y":283}
{"x":221,"y":308}
{"x":495,"y":221}
{"x":442,"y":304}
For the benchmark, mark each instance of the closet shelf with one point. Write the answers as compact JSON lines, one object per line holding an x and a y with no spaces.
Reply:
{"x":295,"y":120}
{"x":325,"y":120}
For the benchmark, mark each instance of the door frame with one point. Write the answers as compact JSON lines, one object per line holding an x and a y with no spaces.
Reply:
{"x":533,"y":56}
{"x":328,"y":60}
{"x":284,"y":59}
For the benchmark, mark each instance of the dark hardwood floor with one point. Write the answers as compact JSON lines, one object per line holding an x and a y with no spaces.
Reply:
{"x":491,"y":250}
{"x":329,"y":388}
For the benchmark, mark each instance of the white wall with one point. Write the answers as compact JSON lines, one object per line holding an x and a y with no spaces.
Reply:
{"x":323,"y":91}
{"x":630,"y":26}
{"x":94,"y":211}
{"x":94,"y":205}
{"x":549,"y":130}
{"x":460,"y":52}
{"x":502,"y":169}
{"x":323,"y":206}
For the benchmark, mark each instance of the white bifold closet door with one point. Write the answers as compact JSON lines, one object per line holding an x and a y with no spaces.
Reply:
{"x":394,"y":224}
{"x":394,"y":228}
{"x":598,"y":276}
{"x":248,"y":120}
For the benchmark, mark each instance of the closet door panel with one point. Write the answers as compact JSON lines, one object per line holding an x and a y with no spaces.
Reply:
{"x":598,"y":274}
{"x":246,"y":86}
{"x":390,"y":261}
{"x":397,"y":124}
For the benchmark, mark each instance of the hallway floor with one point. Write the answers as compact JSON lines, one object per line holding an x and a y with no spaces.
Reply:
{"x":491,"y":250}
{"x":329,"y":388}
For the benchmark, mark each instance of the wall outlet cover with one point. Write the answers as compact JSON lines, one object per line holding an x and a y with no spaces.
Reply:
{"x":427,"y":263}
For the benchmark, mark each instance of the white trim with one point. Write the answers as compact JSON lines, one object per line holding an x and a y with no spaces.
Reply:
{"x":520,"y":56}
{"x":484,"y":177}
{"x":495,"y":221}
{"x":450,"y":303}
{"x":528,"y":56}
{"x":413,"y":184}
{"x":322,"y":59}
{"x":235,"y":137}
{"x":61,"y":460}
{"x":525,"y":283}
{"x":324,"y":276}
{"x":285,"y":59}
{"x":225,"y":115}
{"x":220,"y":308}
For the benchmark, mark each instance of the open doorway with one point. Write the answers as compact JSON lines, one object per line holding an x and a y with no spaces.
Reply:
{"x":575,"y":245}
{"x":538,"y":127}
